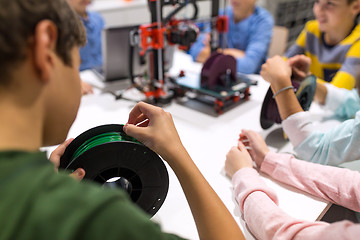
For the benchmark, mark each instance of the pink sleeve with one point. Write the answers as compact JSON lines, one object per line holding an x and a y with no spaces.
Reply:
{"x":334,"y":184}
{"x":267,"y":221}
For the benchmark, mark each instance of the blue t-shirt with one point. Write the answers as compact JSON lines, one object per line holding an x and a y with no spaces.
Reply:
{"x":252,"y":35}
{"x":90,"y":54}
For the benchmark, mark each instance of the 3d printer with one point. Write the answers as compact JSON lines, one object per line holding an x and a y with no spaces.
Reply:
{"x":218,"y":84}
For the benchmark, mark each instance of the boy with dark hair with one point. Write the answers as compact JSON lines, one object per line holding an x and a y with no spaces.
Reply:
{"x":39,"y":98}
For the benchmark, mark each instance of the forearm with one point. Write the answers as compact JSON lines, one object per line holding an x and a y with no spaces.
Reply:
{"x":318,"y":180}
{"x":197,"y":46}
{"x":286,"y":101}
{"x":204,"y":54}
{"x":245,"y":63}
{"x":336,"y":146}
{"x":267,"y":221}
{"x":298,"y":127}
{"x":248,"y":64}
{"x":253,"y":57}
{"x":264,"y":218}
{"x":236,"y":53}
{"x":212,"y":218}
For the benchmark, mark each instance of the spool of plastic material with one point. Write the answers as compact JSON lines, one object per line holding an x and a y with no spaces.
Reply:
{"x":116,"y":160}
{"x":215,"y":67}
{"x":304,"y":91}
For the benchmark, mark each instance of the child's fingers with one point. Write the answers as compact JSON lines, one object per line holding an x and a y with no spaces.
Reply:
{"x":242,"y":146}
{"x":244,"y":139}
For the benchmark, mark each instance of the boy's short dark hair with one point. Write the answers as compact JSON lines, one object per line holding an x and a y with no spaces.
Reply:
{"x":18,"y":20}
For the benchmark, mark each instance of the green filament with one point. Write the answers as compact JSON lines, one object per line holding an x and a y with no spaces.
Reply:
{"x":102,"y":139}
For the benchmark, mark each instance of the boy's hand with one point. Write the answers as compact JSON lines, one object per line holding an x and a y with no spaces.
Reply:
{"x":300,"y":65}
{"x":86,"y":88}
{"x":55,"y":159}
{"x":155,"y":128}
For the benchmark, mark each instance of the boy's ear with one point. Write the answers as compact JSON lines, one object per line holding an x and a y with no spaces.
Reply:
{"x":44,"y":48}
{"x":356,"y":7}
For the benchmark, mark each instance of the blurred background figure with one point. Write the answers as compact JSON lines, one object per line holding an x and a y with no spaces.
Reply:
{"x":248,"y":38}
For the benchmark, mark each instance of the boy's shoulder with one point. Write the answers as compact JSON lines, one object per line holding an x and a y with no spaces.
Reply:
{"x":263,"y":15}
{"x":262,"y":11}
{"x":94,"y":14}
{"x":312,"y":26}
{"x":95,"y":17}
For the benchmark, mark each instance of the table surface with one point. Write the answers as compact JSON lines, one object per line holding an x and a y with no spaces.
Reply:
{"x":111,"y":5}
{"x":207,"y":139}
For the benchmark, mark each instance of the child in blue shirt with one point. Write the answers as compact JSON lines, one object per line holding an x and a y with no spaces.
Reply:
{"x":90,"y":54}
{"x":248,"y":38}
{"x":94,"y":23}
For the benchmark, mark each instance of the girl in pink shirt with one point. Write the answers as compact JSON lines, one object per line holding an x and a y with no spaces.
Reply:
{"x":258,"y":203}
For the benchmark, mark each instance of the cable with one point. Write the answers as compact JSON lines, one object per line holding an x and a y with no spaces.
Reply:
{"x":181,"y":6}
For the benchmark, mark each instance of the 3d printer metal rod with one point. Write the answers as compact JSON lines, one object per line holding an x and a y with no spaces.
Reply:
{"x":159,"y":51}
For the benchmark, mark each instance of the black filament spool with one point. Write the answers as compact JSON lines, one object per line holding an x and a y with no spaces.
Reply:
{"x":304,"y":90}
{"x":127,"y":165}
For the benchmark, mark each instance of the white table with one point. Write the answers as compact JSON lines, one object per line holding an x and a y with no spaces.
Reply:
{"x":207,"y":140}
